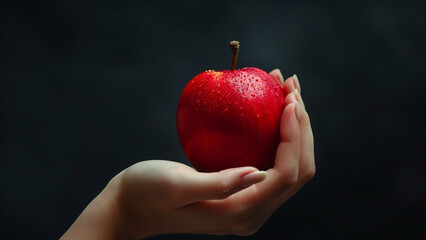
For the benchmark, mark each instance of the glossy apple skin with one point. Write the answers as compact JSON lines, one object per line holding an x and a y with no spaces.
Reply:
{"x":230,"y":119}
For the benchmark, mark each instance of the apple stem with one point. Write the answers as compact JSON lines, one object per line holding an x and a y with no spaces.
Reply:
{"x":235,"y":46}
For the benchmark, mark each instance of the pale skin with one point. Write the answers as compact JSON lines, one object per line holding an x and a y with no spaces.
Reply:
{"x":163,"y":197}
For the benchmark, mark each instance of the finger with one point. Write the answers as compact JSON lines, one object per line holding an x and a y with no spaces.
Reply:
{"x":290,"y":85}
{"x":290,"y":98}
{"x":219,"y":185}
{"x":285,"y":172}
{"x":307,"y":156}
{"x":299,"y":98}
{"x":307,"y":167}
{"x":289,"y":148}
{"x":297,"y":83}
{"x":307,"y":159}
{"x":276,"y":74}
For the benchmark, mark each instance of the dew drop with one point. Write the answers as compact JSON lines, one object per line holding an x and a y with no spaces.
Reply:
{"x":258,"y":116}
{"x":198,"y":101}
{"x":226,"y":109}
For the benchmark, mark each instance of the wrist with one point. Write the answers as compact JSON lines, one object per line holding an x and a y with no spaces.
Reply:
{"x":102,"y":219}
{"x":106,"y":206}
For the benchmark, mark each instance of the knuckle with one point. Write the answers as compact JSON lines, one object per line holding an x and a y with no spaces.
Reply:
{"x":290,"y":98}
{"x":291,"y":179}
{"x":309,"y":173}
{"x":310,"y":169}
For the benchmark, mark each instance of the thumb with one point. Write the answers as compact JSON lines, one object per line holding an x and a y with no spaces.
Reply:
{"x":219,"y":185}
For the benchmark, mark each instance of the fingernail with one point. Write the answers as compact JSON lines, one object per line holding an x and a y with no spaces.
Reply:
{"x":280,"y":76}
{"x":297,"y":110}
{"x":253,"y":177}
{"x":296,"y":82}
{"x":299,"y":97}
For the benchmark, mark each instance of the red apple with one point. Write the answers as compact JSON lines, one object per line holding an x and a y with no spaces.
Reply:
{"x":230,"y":118}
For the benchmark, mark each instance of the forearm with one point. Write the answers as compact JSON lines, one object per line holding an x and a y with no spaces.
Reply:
{"x":101,"y":219}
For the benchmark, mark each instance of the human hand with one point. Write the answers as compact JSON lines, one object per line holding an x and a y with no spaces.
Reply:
{"x":160,"y":197}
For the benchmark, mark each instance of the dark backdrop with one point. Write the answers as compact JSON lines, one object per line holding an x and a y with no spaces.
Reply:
{"x":87,"y":89}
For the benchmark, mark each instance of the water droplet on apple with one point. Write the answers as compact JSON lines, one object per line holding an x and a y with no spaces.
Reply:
{"x":241,"y":108}
{"x":226,"y":109}
{"x":253,"y":95}
{"x":198,"y":101}
{"x":258,"y":115}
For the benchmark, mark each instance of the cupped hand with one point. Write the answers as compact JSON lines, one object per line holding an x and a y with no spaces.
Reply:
{"x":160,"y":197}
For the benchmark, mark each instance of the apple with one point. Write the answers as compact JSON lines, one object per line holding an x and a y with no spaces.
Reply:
{"x":230,"y":118}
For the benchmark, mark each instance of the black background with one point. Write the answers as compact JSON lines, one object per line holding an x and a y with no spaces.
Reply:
{"x":87,"y":89}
